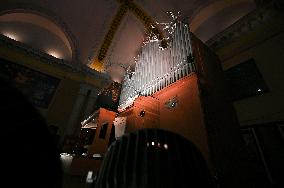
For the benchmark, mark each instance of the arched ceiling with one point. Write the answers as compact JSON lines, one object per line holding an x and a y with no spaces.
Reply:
{"x":36,"y":31}
{"x":91,"y":21}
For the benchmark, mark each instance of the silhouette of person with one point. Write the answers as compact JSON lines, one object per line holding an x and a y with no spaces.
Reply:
{"x":53,"y":130}
{"x":153,"y":158}
{"x":29,"y":156}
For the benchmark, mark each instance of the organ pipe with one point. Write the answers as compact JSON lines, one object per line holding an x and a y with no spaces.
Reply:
{"x":157,"y":68}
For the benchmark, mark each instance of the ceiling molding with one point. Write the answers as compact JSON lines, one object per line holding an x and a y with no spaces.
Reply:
{"x":209,"y":10}
{"x":21,"y":48}
{"x":125,"y":5}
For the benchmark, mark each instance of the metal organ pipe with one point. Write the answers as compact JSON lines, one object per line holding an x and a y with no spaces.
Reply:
{"x":157,"y":68}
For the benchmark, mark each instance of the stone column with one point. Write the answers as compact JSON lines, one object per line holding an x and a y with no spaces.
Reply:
{"x":74,"y":121}
{"x":91,"y":102}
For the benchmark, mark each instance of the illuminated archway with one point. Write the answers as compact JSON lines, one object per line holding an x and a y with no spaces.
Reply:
{"x":43,"y":19}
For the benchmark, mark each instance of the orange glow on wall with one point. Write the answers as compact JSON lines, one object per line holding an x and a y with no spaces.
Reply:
{"x":185,"y":117}
{"x":100,"y":145}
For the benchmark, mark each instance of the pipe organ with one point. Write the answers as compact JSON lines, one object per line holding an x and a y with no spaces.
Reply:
{"x":157,"y":68}
{"x":165,"y":92}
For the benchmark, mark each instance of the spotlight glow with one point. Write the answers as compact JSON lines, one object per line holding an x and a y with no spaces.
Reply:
{"x":11,"y":36}
{"x":166,"y":146}
{"x":54,"y":54}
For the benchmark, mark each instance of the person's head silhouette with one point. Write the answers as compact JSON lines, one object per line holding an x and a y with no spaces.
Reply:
{"x":153,"y":158}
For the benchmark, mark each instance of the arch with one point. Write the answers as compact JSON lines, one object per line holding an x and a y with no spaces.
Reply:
{"x":45,"y":19}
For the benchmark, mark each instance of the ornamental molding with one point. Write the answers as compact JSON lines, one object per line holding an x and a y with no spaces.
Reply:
{"x":244,"y":25}
{"x":48,"y":59}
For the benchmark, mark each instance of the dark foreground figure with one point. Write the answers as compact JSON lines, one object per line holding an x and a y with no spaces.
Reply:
{"x":29,"y":157}
{"x":153,"y":158}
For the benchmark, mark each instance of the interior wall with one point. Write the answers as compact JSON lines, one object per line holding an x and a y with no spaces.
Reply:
{"x":217,"y":16}
{"x":72,"y":86}
{"x":267,"y":107}
{"x":259,"y":36}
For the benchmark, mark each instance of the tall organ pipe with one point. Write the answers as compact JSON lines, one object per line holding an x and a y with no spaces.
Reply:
{"x":156,"y":68}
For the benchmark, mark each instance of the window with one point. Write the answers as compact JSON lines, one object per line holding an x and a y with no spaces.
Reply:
{"x":103,"y":130}
{"x":244,"y":80}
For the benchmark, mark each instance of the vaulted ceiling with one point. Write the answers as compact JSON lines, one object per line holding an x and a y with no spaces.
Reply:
{"x":108,"y":31}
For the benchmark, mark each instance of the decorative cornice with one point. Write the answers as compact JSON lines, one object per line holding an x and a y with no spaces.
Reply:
{"x":48,"y":14}
{"x":244,"y":25}
{"x":48,"y":59}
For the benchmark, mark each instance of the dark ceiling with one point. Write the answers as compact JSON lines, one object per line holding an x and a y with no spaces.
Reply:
{"x":75,"y":30}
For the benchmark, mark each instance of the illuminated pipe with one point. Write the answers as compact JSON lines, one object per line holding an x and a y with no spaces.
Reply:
{"x":187,"y":39}
{"x":168,"y":67}
{"x":154,"y":52}
{"x":151,"y":63}
{"x":178,"y":46}
{"x":137,"y":67}
{"x":142,"y":69}
{"x":186,"y":42}
{"x":147,"y":65}
{"x":174,"y":50}
{"x":154,"y":61}
{"x":184,"y":69}
{"x":156,"y":69}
